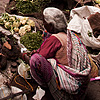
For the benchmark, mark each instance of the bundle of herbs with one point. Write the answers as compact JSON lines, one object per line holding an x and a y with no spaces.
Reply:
{"x":32,"y":41}
{"x":29,"y":6}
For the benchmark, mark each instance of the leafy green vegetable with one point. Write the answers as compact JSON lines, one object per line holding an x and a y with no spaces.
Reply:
{"x":5,"y":16}
{"x":25,"y":7}
{"x":89,"y":34}
{"x":30,"y":6}
{"x":1,"y":21}
{"x":31,"y":41}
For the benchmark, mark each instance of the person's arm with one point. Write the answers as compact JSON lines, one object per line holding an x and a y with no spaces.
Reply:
{"x":25,"y":57}
{"x":50,"y":47}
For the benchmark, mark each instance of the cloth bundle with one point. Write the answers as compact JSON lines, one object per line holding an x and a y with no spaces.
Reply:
{"x":82,"y":22}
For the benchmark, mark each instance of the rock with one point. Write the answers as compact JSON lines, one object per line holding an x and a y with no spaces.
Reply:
{"x":3,"y":62}
{"x":13,"y":70}
{"x":14,"y":65}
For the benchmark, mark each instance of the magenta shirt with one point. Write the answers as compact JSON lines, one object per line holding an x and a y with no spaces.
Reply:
{"x":49,"y":48}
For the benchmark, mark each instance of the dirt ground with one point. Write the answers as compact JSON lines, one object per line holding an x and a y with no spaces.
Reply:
{"x":93,"y":91}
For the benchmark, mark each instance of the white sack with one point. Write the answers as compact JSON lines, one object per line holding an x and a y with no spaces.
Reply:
{"x":80,"y":24}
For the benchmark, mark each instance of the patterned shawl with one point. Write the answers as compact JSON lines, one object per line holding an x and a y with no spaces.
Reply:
{"x":74,"y":77}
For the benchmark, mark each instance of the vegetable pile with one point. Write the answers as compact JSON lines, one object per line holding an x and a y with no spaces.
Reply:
{"x":30,"y":6}
{"x":17,"y":25}
{"x":24,"y":27}
{"x":97,"y":1}
{"x":31,"y":41}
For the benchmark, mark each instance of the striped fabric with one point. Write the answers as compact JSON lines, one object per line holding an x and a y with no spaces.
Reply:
{"x":76,"y":74}
{"x":65,"y":82}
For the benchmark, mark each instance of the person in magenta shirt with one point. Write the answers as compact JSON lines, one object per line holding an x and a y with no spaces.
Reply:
{"x":61,"y":64}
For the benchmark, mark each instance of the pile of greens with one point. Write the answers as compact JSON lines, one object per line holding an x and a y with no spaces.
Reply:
{"x":32,"y":41}
{"x":30,"y":6}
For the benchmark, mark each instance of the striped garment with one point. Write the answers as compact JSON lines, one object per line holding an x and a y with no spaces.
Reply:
{"x":65,"y":82}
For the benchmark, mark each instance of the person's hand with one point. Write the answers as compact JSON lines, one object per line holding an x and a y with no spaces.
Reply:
{"x":34,"y":51}
{"x":24,"y":57}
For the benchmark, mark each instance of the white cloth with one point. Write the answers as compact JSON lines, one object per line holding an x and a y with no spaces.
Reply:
{"x":39,"y":94}
{"x":80,"y":24}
